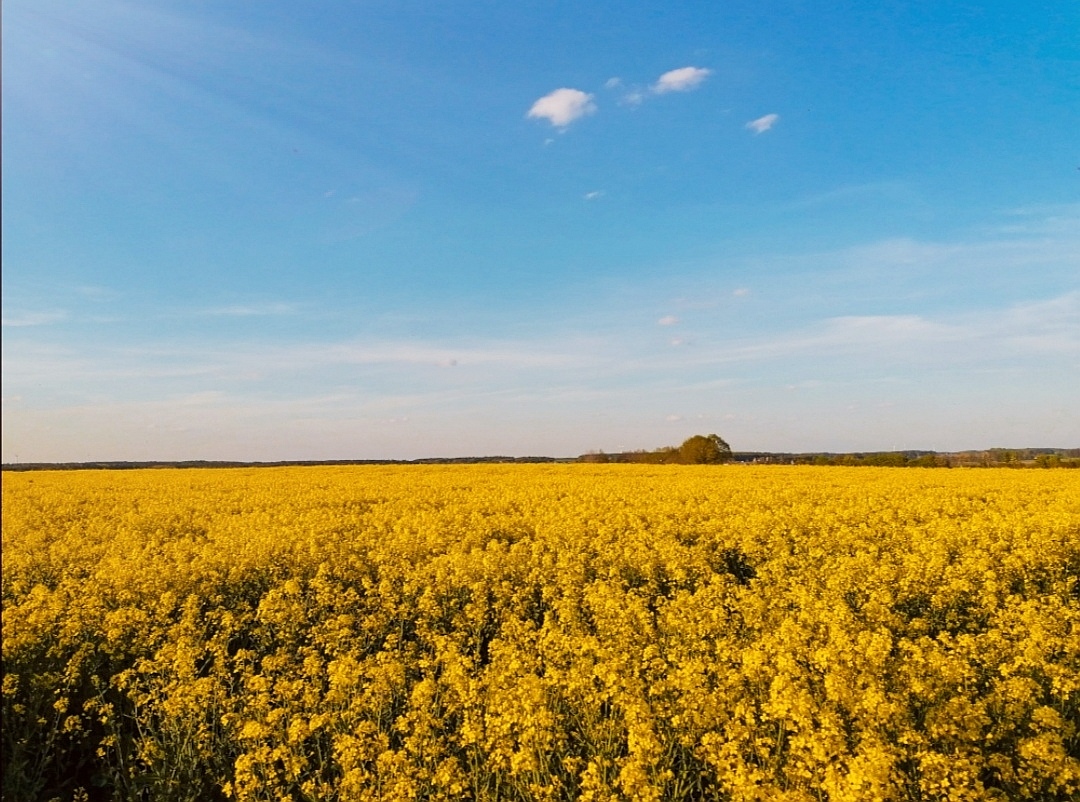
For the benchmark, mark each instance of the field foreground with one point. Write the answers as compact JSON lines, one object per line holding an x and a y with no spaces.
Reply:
{"x":541,"y":633}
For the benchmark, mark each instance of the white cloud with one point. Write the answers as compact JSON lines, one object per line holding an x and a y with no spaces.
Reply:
{"x":673,"y":418}
{"x":876,"y":323}
{"x":877,"y":330}
{"x":681,"y":80}
{"x":884,"y":338}
{"x":507,"y":356}
{"x":562,"y":107}
{"x":894,"y":192}
{"x":668,"y":320}
{"x":334,"y":398}
{"x":741,"y":292}
{"x":250,"y":310}
{"x":763,"y":124}
{"x":633,"y":98}
{"x":806,"y":384}
{"x":33,"y":319}
{"x":596,"y":193}
{"x":613,"y":83}
{"x":1048,"y":329}
{"x":1045,"y":327}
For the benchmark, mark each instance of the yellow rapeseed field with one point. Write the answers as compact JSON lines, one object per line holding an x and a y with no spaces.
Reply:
{"x":556,"y":632}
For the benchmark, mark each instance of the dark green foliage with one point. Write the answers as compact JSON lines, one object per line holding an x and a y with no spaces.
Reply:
{"x":704,"y":450}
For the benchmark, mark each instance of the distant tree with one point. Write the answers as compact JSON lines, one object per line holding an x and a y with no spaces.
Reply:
{"x":704,"y":449}
{"x":667,"y":456}
{"x":660,"y":456}
{"x":892,"y":459}
{"x":594,"y":456}
{"x":929,"y":461}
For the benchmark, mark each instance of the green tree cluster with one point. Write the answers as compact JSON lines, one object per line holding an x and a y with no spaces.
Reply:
{"x":704,"y":449}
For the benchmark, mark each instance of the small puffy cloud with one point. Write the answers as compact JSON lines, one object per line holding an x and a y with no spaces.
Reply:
{"x":681,"y":80}
{"x":562,"y":107}
{"x":742,"y":292}
{"x":596,"y":193}
{"x":668,"y":320}
{"x":613,"y":83}
{"x":763,"y":124}
{"x":673,"y":418}
{"x":633,"y":98}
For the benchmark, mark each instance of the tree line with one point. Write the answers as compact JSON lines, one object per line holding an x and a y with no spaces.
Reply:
{"x":701,"y":449}
{"x":712,"y":449}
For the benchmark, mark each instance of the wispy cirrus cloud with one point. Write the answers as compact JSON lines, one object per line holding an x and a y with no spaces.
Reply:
{"x":250,"y":310}
{"x":231,"y":393}
{"x":684,"y":79}
{"x":562,"y":107}
{"x":67,"y":368}
{"x":763,"y":124}
{"x":26,"y":319}
{"x":504,"y":355}
{"x":891,"y":191}
{"x":1048,"y":328}
{"x":881,"y":338}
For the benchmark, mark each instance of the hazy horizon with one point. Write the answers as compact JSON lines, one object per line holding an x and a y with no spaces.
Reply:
{"x":393,"y":231}
{"x":523,"y":457}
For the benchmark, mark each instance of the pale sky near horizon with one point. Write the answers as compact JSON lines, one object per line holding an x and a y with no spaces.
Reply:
{"x":264,"y":231}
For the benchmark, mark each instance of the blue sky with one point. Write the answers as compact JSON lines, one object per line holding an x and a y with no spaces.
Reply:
{"x":403,"y":229}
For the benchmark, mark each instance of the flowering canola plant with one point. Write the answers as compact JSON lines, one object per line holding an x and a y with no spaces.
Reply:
{"x":555,"y":632}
